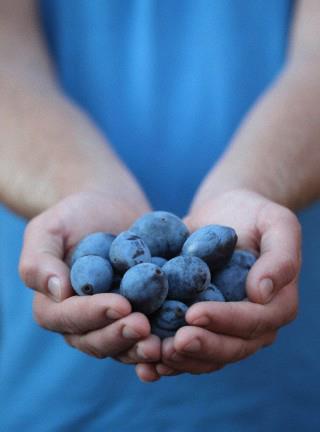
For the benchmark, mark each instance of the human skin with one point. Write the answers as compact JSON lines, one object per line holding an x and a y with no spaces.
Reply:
{"x":220,"y":333}
{"x":272,"y":164}
{"x":285,"y":147}
{"x":67,"y":180}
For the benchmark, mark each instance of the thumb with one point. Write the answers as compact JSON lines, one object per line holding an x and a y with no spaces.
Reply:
{"x":41,"y":264}
{"x":279,"y":262}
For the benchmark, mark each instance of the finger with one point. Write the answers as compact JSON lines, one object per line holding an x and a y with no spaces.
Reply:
{"x":164,"y":370}
{"x":187,"y":365}
{"x":145,"y":351}
{"x":279,"y":262}
{"x":41,"y":264}
{"x":147,"y":372}
{"x":175,"y":363}
{"x":110,"y":341}
{"x":79,"y":314}
{"x":203,"y":345}
{"x":246,"y":319}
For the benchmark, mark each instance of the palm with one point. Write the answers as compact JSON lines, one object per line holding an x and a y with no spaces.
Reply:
{"x":241,"y":210}
{"x":228,"y":332}
{"x":85,"y":212}
{"x":102,"y":324}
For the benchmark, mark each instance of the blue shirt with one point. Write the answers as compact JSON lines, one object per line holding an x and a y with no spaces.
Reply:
{"x":168,"y":82}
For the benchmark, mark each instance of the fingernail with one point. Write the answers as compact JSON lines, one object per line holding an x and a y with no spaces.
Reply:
{"x":54,"y":288}
{"x":164,"y":370}
{"x":266,"y":289}
{"x":193,"y":346}
{"x":130,"y":333}
{"x":113,"y":314}
{"x":141,"y":353}
{"x":202,"y":321}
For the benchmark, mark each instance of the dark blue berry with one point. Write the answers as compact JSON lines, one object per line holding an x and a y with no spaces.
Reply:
{"x":91,"y":274}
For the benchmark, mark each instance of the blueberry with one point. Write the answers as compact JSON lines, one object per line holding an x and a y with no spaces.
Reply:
{"x":169,"y":318}
{"x":91,"y":274}
{"x":244,"y":258}
{"x":145,"y":286}
{"x":171,"y":315}
{"x":212,"y":293}
{"x":97,"y":243}
{"x":214,"y":244}
{"x":163,"y":232}
{"x":187,"y":276}
{"x":231,"y":281}
{"x":160,"y":262}
{"x":128,"y":250}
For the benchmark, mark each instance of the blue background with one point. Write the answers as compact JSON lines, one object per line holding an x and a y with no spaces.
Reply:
{"x":167,"y":82}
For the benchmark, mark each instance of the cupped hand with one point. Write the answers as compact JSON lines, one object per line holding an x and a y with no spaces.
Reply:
{"x":102,"y":324}
{"x":221,"y":333}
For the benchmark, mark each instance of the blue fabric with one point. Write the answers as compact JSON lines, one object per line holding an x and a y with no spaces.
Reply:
{"x":168,"y":82}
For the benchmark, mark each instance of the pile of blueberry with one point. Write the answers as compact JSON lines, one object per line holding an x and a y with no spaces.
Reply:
{"x":162,"y":269}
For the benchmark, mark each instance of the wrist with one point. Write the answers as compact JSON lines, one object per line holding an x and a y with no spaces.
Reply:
{"x":59,"y":154}
{"x":232,"y":173}
{"x":30,"y":196}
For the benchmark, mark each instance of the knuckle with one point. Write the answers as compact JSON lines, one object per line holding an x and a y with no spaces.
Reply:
{"x":69,"y":341}
{"x":125,"y":359}
{"x":92,"y":350}
{"x":219,"y":367}
{"x":289,"y":307}
{"x":50,"y":221}
{"x":27,"y":271}
{"x":292,"y":312}
{"x":290,"y":218}
{"x":214,"y":367}
{"x":31,"y":226}
{"x":54,"y":225}
{"x":84,"y":344}
{"x":290,"y":267}
{"x":258,"y":328}
{"x":233,"y":312}
{"x":69,"y":324}
{"x":39,"y":315}
{"x":195,"y":369}
{"x":270,"y":340}
{"x":241,"y":352}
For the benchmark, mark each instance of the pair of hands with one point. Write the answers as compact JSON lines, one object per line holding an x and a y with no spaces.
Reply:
{"x":103,"y":325}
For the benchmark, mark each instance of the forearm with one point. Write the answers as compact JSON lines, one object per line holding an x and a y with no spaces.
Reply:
{"x":276,"y":151}
{"x":49,"y":148}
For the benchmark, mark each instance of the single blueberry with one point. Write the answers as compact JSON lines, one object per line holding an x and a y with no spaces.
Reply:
{"x":171,"y":315}
{"x":231,"y":281}
{"x":214,"y":244}
{"x":97,"y":243}
{"x":159,"y":261}
{"x":128,"y":250}
{"x":91,"y":274}
{"x":163,"y":232}
{"x":243,"y":258}
{"x":212,"y":293}
{"x":187,"y":276}
{"x":145,"y":286}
